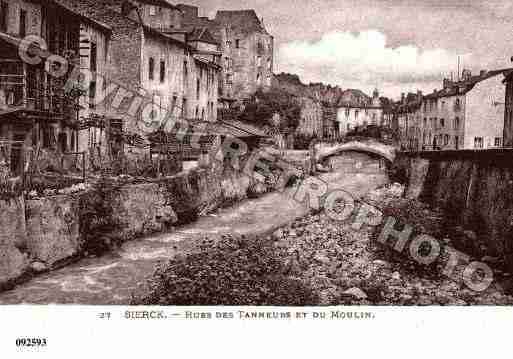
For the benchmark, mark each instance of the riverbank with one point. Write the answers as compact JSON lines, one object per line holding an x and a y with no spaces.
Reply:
{"x":114,"y":277}
{"x":322,"y":262}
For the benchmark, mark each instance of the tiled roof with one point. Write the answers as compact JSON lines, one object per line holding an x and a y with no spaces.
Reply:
{"x":203,"y":34}
{"x":242,"y":129}
{"x":162,"y":3}
{"x":84,"y":8}
{"x":246,"y":20}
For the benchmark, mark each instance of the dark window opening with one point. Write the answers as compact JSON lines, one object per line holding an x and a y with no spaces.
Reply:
{"x":92,"y":95}
{"x":197,"y":89}
{"x":151,"y":68}
{"x":237,"y":44}
{"x":184,"y":108}
{"x":23,"y":23}
{"x":4,"y":12}
{"x":162,"y":71}
{"x":63,"y":142}
{"x":93,"y":58}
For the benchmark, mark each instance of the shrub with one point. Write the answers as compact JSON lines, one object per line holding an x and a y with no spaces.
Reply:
{"x":230,"y":271}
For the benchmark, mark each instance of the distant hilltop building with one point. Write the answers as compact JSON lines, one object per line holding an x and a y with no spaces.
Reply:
{"x":357,"y":110}
{"x":246,"y":46}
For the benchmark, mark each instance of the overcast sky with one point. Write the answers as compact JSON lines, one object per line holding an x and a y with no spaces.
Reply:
{"x":396,"y":45}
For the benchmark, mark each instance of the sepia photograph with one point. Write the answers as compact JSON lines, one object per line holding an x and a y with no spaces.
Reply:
{"x":354,"y":157}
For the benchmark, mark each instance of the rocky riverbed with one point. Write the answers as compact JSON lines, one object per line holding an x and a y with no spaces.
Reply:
{"x":345,"y":265}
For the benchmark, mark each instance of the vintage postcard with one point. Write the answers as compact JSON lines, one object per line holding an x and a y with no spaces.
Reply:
{"x":302,"y":176}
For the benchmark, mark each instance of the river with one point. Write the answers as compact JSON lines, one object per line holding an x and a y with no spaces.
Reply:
{"x":114,"y":277}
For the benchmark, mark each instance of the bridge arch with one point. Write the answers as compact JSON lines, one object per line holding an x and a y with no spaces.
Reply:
{"x":375,"y":148}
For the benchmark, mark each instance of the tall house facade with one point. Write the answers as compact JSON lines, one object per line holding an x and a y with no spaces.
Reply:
{"x":468,"y":114}
{"x":357,"y":110}
{"x":247,"y":50}
{"x":36,"y":108}
{"x":152,"y":77}
{"x":251,"y":50}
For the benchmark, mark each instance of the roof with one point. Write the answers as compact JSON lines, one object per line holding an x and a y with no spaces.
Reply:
{"x":241,"y":129}
{"x":246,"y":20}
{"x":354,"y":98}
{"x":202,"y":34}
{"x":161,"y":3}
{"x":464,"y":86}
{"x":149,"y":29}
{"x":82,"y":8}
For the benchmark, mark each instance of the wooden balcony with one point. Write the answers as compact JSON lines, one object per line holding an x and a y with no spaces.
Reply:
{"x":24,"y":87}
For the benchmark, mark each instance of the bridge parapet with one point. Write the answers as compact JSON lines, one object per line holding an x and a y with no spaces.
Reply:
{"x":373,"y":147}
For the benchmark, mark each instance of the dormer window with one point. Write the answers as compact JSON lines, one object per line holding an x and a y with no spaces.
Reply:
{"x":153,"y":10}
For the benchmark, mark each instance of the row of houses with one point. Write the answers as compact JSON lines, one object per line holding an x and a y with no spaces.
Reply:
{"x":146,"y":60}
{"x":470,"y":113}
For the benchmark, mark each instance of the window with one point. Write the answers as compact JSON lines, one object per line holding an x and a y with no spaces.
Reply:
{"x":92,"y":95}
{"x":478,"y":142}
{"x":23,"y":23}
{"x":153,"y":10}
{"x":185,"y":75}
{"x":198,"y":84}
{"x":498,"y":142}
{"x":184,"y":108}
{"x":93,"y":57}
{"x":151,"y":68}
{"x":259,"y":61}
{"x":347,"y":112}
{"x":162,"y":71}
{"x":457,"y":142}
{"x":456,"y":123}
{"x":196,"y":114}
{"x":446,"y":140}
{"x":4,"y":12}
{"x":63,"y":142}
{"x":457,"y":104}
{"x":237,"y":44}
{"x":203,"y":114}
{"x":442,"y":123}
{"x":425,"y":122}
{"x":356,"y":113}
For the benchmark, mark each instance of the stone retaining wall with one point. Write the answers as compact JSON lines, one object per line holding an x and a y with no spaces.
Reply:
{"x":474,"y":191}
{"x":41,"y":234}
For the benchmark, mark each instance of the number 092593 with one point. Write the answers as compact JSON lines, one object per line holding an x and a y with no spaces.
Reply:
{"x":31,"y":342}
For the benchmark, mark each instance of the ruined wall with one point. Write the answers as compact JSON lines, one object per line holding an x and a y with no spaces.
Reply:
{"x":475,"y":192}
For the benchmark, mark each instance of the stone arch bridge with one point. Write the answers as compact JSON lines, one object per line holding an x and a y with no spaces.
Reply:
{"x":388,"y":152}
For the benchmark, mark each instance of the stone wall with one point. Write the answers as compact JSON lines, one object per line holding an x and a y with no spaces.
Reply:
{"x":46,"y":233}
{"x":13,"y":262}
{"x":473,"y":189}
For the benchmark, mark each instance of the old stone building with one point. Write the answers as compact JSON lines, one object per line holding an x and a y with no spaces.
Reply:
{"x":37,"y":110}
{"x":152,"y":77}
{"x":408,"y":115}
{"x":246,"y":46}
{"x":467,"y":114}
{"x":357,"y":110}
